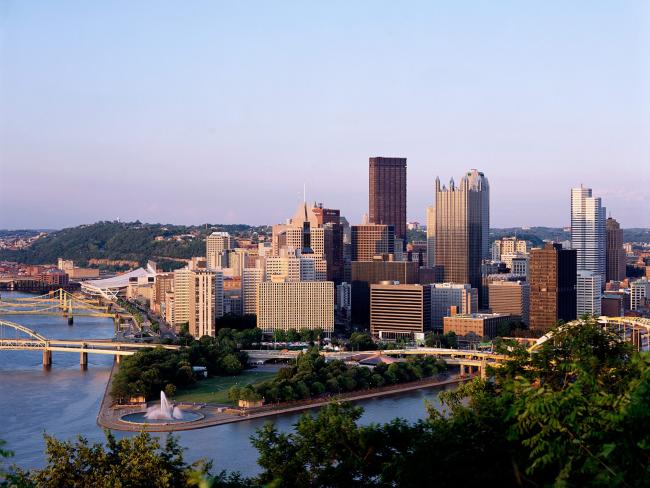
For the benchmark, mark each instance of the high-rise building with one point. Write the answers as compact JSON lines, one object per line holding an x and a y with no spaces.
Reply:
{"x":399,"y":311}
{"x":198,"y":300}
{"x":552,"y":276}
{"x":588,"y":230}
{"x":615,"y":255}
{"x":431,"y":236}
{"x":478,"y":182}
{"x":215,"y":243}
{"x":372,"y":240}
{"x":296,"y":305}
{"x":387,"y":193}
{"x":510,"y":297}
{"x":588,"y":293}
{"x":291,"y":265}
{"x":459,"y":232}
{"x":250,"y":280}
{"x":450,"y":298}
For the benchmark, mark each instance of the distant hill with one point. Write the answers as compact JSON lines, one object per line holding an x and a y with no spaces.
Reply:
{"x":539,"y":234}
{"x":132,"y":241}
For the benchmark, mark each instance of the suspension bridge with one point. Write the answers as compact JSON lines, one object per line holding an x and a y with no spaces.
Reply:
{"x":18,"y":337}
{"x":59,"y":302}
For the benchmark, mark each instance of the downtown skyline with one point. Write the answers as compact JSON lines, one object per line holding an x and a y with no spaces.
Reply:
{"x":184,"y":113}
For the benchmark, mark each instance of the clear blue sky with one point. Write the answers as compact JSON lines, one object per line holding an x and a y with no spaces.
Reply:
{"x":192,"y":112}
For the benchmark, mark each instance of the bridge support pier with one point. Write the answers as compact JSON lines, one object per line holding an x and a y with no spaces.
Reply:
{"x":70,"y":320}
{"x":483,"y":369}
{"x":83,"y":359}
{"x":47,"y":357}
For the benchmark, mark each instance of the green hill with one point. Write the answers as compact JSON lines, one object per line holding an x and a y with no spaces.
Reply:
{"x":131,"y":241}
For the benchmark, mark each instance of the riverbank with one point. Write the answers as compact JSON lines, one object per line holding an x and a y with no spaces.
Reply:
{"x":213,"y":415}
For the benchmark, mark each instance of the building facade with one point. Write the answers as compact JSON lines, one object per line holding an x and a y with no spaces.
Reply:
{"x":479,"y":325}
{"x":387,"y":193}
{"x":588,"y":230}
{"x":372,"y":240}
{"x":511,"y":298}
{"x":614,"y":253}
{"x":451,"y":298}
{"x":399,"y":311}
{"x":588,"y":293}
{"x":552,"y":276}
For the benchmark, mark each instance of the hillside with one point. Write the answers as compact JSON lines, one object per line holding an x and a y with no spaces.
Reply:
{"x":122,"y":241}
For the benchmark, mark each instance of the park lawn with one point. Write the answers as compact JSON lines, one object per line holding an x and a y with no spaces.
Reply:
{"x":215,"y":389}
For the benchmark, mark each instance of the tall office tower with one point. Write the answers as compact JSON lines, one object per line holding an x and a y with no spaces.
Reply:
{"x":510,"y":297}
{"x":451,"y":297}
{"x":296,"y":305}
{"x":588,"y":230}
{"x":459,"y":232}
{"x":329,"y":220}
{"x":588,"y":291}
{"x":508,"y":245}
{"x":195,"y":294}
{"x":639,"y":293}
{"x":250,"y":280}
{"x":387,"y":192}
{"x":615,"y":255}
{"x":552,"y":274}
{"x":372,"y":240}
{"x":478,"y":182}
{"x":399,"y":311}
{"x":431,"y":236}
{"x":214,"y":244}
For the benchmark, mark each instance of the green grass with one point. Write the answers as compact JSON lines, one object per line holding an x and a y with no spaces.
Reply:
{"x":215,"y":390}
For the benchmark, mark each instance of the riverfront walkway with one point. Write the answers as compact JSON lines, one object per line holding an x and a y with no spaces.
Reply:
{"x":110,"y":416}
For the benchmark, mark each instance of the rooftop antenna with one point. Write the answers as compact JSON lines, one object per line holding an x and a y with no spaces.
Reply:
{"x":304,"y":193}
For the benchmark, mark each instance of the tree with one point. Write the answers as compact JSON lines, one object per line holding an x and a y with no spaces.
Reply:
{"x":170,"y":390}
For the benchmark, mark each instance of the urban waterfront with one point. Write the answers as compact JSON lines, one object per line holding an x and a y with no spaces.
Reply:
{"x":64,"y":401}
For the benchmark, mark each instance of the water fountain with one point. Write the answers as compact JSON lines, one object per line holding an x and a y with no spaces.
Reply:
{"x":164,"y":411}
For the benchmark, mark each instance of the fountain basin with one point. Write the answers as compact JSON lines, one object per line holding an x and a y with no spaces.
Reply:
{"x":139,"y":418}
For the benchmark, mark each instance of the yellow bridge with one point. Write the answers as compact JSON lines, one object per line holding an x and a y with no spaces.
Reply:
{"x":18,"y":337}
{"x":59,"y":302}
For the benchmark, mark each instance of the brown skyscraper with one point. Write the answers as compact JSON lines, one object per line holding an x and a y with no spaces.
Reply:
{"x":553,"y":279}
{"x":387,"y":191}
{"x":614,"y":253}
{"x":372,"y":240}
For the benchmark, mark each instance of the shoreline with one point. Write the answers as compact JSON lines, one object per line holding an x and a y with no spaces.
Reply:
{"x":110,"y":417}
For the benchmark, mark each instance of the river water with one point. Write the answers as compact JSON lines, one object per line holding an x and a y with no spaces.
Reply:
{"x":64,"y":400}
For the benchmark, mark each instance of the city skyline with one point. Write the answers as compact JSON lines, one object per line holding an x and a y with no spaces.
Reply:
{"x":184,"y":113}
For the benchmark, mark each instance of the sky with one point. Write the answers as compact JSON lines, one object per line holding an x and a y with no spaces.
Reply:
{"x":219,"y":111}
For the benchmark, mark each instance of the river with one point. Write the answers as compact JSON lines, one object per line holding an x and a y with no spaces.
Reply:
{"x":64,"y":401}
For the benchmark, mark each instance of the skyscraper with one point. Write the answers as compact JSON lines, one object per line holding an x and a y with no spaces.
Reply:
{"x":387,"y":193}
{"x":588,"y":230}
{"x":215,"y":243}
{"x":431,"y":236}
{"x":588,"y":292}
{"x":552,"y":275}
{"x":459,"y":232}
{"x":478,"y":182}
{"x":614,"y":253}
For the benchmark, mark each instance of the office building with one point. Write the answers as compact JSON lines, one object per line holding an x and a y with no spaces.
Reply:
{"x":366,"y":273}
{"x":431,"y":236}
{"x":614,"y":252}
{"x":639,"y":293}
{"x":588,"y":230}
{"x":296,"y":305}
{"x":508,"y":245}
{"x":292,"y":265}
{"x":459,"y":232}
{"x":372,"y":240}
{"x":343,"y":301}
{"x":250,"y":280}
{"x":511,"y":298}
{"x":478,"y":325}
{"x":215,"y":243}
{"x":613,"y":303}
{"x":479,"y":183}
{"x":399,"y":311}
{"x":450,"y":298}
{"x":552,"y":276}
{"x":588,"y":293}
{"x":387,"y":193}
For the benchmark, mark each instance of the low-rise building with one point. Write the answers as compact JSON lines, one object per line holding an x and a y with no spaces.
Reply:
{"x":478,"y":324}
{"x":399,"y":311}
